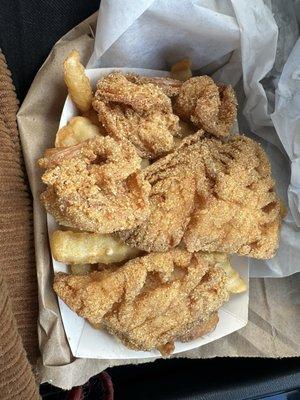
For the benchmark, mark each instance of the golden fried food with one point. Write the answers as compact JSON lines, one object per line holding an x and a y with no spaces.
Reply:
{"x":182,"y":70}
{"x":200,"y":89}
{"x":235,"y":284}
{"x":79,"y":86}
{"x":93,"y":117}
{"x":172,"y":197}
{"x":209,"y":106}
{"x":241,"y":213}
{"x":152,"y":194}
{"x":169,"y":86}
{"x":150,"y":301}
{"x":140,"y":113}
{"x":116,"y":88}
{"x":202,"y":328}
{"x":150,"y":134}
{"x":95,"y":186}
{"x":174,"y":180}
{"x":231,"y":207}
{"x":88,"y":248}
{"x":187,"y":129}
{"x":77,"y":130}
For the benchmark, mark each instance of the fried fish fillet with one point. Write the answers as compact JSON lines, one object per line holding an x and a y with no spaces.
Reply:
{"x":95,"y":186}
{"x":150,"y":301}
{"x":241,"y":213}
{"x":215,"y":196}
{"x":208,"y":105}
{"x":141,"y":113}
{"x":173,"y":182}
{"x":201,"y":329}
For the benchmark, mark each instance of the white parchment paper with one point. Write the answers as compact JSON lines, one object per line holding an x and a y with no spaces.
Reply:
{"x":237,"y":42}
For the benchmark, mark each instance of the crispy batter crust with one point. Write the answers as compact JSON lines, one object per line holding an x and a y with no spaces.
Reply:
{"x":95,"y":186}
{"x":141,"y":113}
{"x":208,"y":105}
{"x":201,"y":329}
{"x":169,"y":86}
{"x":241,"y":213}
{"x":172,"y":198}
{"x":116,"y":88}
{"x":151,"y":133}
{"x":231,"y":207}
{"x":151,"y":300}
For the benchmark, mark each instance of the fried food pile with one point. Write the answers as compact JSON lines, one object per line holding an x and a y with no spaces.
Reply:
{"x":156,"y":193}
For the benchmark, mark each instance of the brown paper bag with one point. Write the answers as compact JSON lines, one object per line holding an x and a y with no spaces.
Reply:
{"x":274,"y":314}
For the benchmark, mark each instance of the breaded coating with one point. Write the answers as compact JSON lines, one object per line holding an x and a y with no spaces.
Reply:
{"x":227,"y":111}
{"x":116,"y":88}
{"x":95,"y":186}
{"x":149,"y":133}
{"x":172,"y":198}
{"x":241,"y":214}
{"x":150,"y":301}
{"x":225,"y":200}
{"x":201,"y":329}
{"x":199,"y":89}
{"x":174,"y":180}
{"x":235,"y":284}
{"x":141,"y":113}
{"x":169,"y":86}
{"x":208,"y":105}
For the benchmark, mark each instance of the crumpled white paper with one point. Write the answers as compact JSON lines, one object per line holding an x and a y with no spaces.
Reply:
{"x":228,"y":39}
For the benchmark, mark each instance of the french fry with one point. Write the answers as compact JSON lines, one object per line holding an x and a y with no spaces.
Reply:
{"x":235,"y":283}
{"x":182,"y":70}
{"x":78,"y":84}
{"x":88,"y":248}
{"x":77,"y":130}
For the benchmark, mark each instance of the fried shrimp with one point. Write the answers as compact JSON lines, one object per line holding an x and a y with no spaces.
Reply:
{"x":116,"y":88}
{"x":209,"y":106}
{"x":169,"y":86}
{"x":95,"y":186}
{"x":141,"y":113}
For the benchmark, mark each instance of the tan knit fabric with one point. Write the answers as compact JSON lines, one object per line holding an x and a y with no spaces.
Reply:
{"x":16,"y":378}
{"x":18,"y":288}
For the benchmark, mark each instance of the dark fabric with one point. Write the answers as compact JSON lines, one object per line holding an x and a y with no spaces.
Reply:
{"x":29,"y":29}
{"x":209,"y":379}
